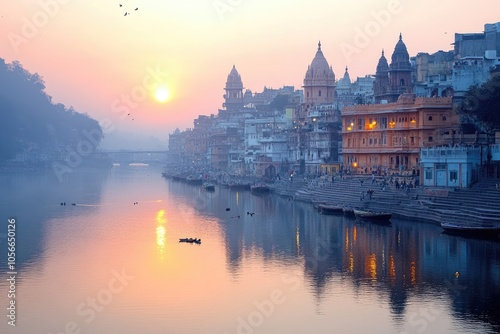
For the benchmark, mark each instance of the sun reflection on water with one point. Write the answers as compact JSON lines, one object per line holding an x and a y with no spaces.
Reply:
{"x":161,"y":231}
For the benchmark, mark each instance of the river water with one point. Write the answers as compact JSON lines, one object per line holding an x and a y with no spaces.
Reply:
{"x":107,"y":265}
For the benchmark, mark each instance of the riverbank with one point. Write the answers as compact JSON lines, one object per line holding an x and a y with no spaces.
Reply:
{"x":479,"y":204}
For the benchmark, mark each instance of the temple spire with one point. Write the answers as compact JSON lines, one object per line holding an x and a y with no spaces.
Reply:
{"x":400,"y":37}
{"x":319,"y":46}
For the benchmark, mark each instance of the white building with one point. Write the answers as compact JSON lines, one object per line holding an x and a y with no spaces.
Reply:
{"x":451,"y":166}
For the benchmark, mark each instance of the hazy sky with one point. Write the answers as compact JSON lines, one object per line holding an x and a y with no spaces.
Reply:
{"x":100,"y":61}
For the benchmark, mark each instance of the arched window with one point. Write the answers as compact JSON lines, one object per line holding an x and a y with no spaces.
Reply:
{"x":319,"y":93}
{"x":430,"y":139}
{"x":402,"y":82}
{"x":430,"y":118}
{"x":444,"y":118}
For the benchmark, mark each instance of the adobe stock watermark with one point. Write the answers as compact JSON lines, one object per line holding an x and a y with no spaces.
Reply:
{"x":88,"y":309}
{"x":224,"y":6}
{"x":264,"y":309}
{"x":122,"y":106}
{"x":364,"y":35}
{"x":31,"y":26}
{"x":420,"y":321}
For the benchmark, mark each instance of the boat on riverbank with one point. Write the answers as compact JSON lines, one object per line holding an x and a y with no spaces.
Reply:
{"x":466,"y":229}
{"x":208,"y":186}
{"x":348,"y":210}
{"x":239,"y":185}
{"x":329,"y":209}
{"x":378,"y":216}
{"x":260,"y":188}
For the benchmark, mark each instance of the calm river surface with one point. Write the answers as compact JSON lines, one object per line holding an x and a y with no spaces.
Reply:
{"x":107,"y":265}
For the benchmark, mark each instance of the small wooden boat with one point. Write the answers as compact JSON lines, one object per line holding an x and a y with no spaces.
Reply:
{"x":329,"y":209}
{"x":471,"y":229}
{"x":239,"y":186}
{"x":347,"y":210}
{"x":372,"y":215}
{"x":260,"y":188}
{"x":194,"y":180}
{"x":208,"y":186}
{"x":191,"y":240}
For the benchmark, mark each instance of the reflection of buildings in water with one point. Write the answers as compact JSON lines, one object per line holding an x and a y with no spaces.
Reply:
{"x":263,"y":231}
{"x":476,"y":290}
{"x":402,"y":260}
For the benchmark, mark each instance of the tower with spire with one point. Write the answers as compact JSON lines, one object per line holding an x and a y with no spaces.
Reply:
{"x":394,"y":80}
{"x":381,"y":83}
{"x":319,"y":81}
{"x":233,"y":98}
{"x":400,"y":70}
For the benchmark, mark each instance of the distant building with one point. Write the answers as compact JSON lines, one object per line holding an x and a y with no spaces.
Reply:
{"x":476,"y":58}
{"x":434,"y":74}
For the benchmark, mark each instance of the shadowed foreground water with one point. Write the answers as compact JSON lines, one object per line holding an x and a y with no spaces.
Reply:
{"x":107,"y":265}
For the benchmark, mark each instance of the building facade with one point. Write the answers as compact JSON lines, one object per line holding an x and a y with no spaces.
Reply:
{"x":386,"y":138}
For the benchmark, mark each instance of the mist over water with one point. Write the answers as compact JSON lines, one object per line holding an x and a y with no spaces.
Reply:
{"x":107,"y":265}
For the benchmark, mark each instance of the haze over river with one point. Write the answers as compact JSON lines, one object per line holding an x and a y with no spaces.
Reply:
{"x":107,"y":265}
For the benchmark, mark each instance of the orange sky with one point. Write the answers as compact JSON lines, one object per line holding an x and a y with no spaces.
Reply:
{"x":92,"y":56}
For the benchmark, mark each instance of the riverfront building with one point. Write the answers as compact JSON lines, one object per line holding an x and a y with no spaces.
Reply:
{"x":451,"y":166}
{"x":386,"y":138}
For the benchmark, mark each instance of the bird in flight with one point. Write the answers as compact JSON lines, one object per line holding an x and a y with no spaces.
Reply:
{"x":127,"y":13}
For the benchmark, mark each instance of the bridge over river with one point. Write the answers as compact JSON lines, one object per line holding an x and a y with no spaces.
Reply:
{"x":136,"y":156}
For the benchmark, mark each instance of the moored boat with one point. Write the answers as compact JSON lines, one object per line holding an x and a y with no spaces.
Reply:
{"x":372,"y":215}
{"x":471,"y":229}
{"x":260,"y":188}
{"x":239,"y":186}
{"x":347,"y":210}
{"x":329,"y":209}
{"x":194,"y":180}
{"x":208,"y":186}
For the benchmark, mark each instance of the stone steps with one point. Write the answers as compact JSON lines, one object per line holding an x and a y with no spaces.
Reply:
{"x":476,"y":205}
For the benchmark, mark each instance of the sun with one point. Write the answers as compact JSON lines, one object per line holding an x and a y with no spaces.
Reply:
{"x":162,"y":94}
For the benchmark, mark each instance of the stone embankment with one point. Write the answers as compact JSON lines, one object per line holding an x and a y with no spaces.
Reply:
{"x":479,"y":204}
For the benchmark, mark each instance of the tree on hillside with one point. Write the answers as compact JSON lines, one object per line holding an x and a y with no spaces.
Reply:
{"x":482,"y":105}
{"x":29,"y":118}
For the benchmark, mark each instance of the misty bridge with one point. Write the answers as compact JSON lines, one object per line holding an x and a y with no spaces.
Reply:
{"x":136,"y":156}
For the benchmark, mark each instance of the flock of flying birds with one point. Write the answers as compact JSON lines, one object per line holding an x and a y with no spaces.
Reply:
{"x":128,"y":13}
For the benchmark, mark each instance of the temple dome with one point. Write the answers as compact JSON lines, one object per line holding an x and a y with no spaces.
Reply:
{"x":345,"y":82}
{"x":382,"y":66}
{"x":400,"y":59}
{"x":234,"y":80}
{"x":319,"y":70}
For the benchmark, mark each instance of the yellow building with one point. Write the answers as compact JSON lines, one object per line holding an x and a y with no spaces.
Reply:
{"x":386,"y":138}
